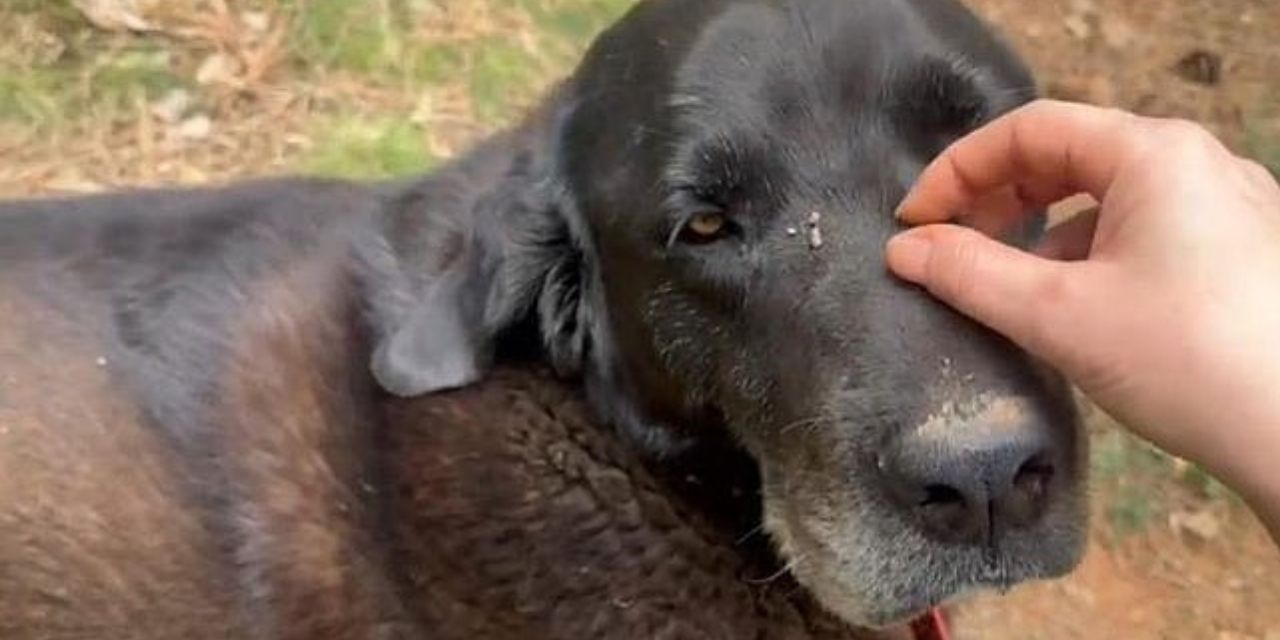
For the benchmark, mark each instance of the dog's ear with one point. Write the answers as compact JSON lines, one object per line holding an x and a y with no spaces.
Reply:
{"x":435,"y":342}
{"x":518,"y":258}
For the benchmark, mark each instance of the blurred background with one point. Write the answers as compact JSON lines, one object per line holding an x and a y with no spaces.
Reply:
{"x":97,"y":94}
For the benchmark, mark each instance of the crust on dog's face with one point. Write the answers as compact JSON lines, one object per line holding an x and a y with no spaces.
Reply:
{"x":737,"y":163}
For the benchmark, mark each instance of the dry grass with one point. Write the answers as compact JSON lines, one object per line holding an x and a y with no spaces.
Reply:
{"x":105,"y":93}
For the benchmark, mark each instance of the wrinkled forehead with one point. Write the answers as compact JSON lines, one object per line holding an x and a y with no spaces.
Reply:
{"x":749,"y":48}
{"x":675,"y":74}
{"x":777,"y":61}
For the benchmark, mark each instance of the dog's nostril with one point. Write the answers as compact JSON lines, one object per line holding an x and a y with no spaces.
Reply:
{"x":940,"y":495}
{"x":946,"y":511}
{"x":1025,"y":501}
{"x":1033,"y":476}
{"x":972,"y":493}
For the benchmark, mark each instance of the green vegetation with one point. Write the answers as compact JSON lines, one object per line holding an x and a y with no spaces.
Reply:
{"x":30,"y":98}
{"x":1264,"y":147}
{"x":362,"y":68}
{"x":47,"y":80}
{"x":363,"y":147}
{"x":362,"y":37}
{"x":505,"y":68}
{"x":1140,"y":486}
{"x":1125,"y":470}
{"x":1208,"y":487}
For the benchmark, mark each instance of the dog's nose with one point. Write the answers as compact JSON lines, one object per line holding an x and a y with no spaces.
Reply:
{"x":967,"y":476}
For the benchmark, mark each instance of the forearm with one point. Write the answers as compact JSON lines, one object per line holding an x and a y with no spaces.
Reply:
{"x":1250,"y":465}
{"x":1232,"y":425}
{"x":1261,"y":490}
{"x":1266,"y":505}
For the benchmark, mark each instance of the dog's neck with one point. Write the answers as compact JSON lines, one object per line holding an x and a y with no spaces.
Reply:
{"x":546,"y":525}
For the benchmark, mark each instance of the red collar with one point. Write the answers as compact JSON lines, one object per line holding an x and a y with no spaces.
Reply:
{"x":931,"y":626}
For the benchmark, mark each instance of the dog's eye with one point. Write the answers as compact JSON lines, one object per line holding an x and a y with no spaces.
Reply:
{"x":704,"y":227}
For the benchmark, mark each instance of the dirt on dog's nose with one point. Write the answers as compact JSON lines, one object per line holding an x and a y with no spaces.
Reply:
{"x":969,"y":473}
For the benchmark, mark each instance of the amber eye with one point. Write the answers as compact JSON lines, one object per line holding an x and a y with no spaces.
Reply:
{"x":707,"y":226}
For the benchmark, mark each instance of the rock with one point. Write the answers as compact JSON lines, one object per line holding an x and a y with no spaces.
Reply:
{"x":1200,"y":67}
{"x":218,"y":68}
{"x":1232,"y":635}
{"x":197,"y":127}
{"x":1078,"y":26}
{"x":1202,"y":526}
{"x":172,"y":107}
{"x":114,"y":15}
{"x":1118,"y":33}
{"x":256,"y":21}
{"x":1180,"y":465}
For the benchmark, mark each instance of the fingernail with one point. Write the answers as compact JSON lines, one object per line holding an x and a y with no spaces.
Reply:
{"x":908,"y":255}
{"x":900,"y":210}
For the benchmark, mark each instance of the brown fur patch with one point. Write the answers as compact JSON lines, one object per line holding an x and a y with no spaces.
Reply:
{"x":516,"y":516}
{"x":93,"y":533}
{"x":295,"y":401}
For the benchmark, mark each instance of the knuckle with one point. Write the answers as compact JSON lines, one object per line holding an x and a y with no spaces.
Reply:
{"x":1166,"y":141}
{"x":1046,"y":109}
{"x":1041,"y":106}
{"x":1257,"y":171}
{"x":958,"y":266}
{"x":1186,"y":135}
{"x":1053,"y":290}
{"x":1117,"y":119}
{"x":1050,"y":299}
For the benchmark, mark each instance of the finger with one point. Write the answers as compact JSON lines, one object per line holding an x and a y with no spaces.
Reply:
{"x":1013,"y":292}
{"x":995,"y":214}
{"x":1071,"y":239}
{"x":1045,"y":151}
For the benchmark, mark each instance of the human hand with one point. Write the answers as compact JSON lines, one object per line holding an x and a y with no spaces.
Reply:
{"x":1163,"y":305}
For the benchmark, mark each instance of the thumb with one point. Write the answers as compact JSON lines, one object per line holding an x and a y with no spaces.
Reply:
{"x":1013,"y":292}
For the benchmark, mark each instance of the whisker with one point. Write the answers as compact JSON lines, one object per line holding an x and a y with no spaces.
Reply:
{"x":779,"y":573}
{"x":811,"y":421}
{"x":747,"y":536}
{"x":803,"y":422}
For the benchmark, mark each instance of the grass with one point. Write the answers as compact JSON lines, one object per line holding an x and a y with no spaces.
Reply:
{"x":356,"y":146}
{"x":1125,"y":470}
{"x":1138,"y":485}
{"x":503,"y":53}
{"x":506,"y":51}
{"x":361,"y":72}
{"x":1262,"y":132}
{"x":1208,"y":487}
{"x":1265,"y":147}
{"x":54,"y":70}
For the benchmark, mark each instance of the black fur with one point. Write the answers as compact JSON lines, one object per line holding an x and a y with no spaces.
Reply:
{"x":758,"y":379}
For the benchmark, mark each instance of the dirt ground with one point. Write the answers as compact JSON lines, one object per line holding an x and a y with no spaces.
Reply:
{"x":1218,"y":62}
{"x":231,"y":89}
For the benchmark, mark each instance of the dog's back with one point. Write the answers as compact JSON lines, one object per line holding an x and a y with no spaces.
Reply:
{"x":176,"y":404}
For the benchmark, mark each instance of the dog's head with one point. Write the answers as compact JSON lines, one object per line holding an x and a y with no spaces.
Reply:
{"x":699,"y":230}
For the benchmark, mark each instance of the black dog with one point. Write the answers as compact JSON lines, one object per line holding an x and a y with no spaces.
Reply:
{"x":193,"y":444}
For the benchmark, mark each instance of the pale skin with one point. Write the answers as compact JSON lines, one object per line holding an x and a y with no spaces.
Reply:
{"x":1162,"y":305}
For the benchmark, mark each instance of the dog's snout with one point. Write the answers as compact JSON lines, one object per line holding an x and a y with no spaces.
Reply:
{"x":969,"y":476}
